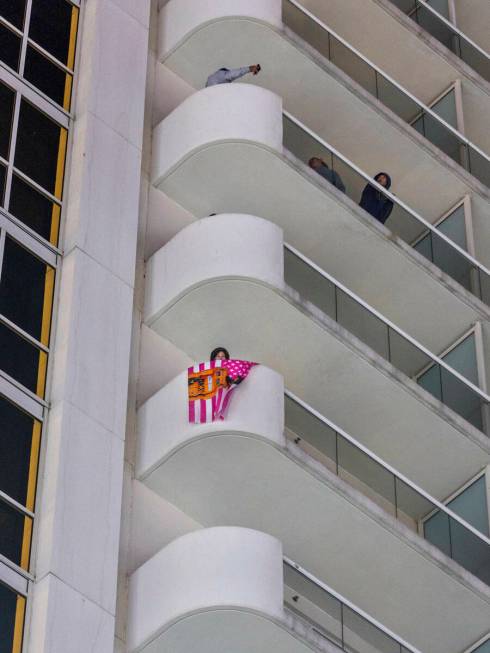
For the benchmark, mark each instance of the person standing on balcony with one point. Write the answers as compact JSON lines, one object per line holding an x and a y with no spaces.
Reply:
{"x":374,"y":201}
{"x":228,"y":75}
{"x":319,"y":166}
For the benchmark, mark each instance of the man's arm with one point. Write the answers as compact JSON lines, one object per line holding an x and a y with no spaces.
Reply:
{"x":235,"y":73}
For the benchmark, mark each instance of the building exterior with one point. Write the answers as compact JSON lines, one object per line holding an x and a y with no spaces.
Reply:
{"x":343,"y":504}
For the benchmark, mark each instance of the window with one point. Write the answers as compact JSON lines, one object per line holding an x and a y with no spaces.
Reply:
{"x":446,"y":387}
{"x":12,"y":613}
{"x":40,"y":149}
{"x":26,"y":291}
{"x":34,"y":209}
{"x":456,"y":541}
{"x":19,"y":453}
{"x":442,"y":254}
{"x":49,"y":44}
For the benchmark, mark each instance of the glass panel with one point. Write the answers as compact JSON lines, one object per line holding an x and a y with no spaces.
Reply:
{"x":446,"y":108}
{"x":22,"y":361}
{"x":358,"y":320}
{"x":9,"y":47}
{"x":440,"y":6}
{"x":360,"y":636}
{"x":442,"y":138}
{"x":479,"y":166}
{"x":311,"y":285}
{"x":19,"y":452}
{"x":53,"y":26}
{"x":26,"y":290}
{"x":15,"y":535}
{"x":436,"y":531}
{"x":318,"y":606}
{"x":303,"y":424}
{"x":12,"y":612}
{"x":34,"y":209}
{"x":367,"y":475}
{"x":13,"y":11}
{"x":471,"y":505}
{"x":431,"y":381}
{"x":40,"y":151}
{"x":7,"y":97}
{"x":48,"y":77}
{"x":474,"y":58}
{"x":470,"y":552}
{"x":463,"y":359}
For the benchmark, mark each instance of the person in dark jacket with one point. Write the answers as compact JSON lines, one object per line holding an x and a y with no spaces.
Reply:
{"x":319,"y":165}
{"x":374,"y":202}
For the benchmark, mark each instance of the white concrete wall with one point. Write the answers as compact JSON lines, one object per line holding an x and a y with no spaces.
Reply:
{"x":214,"y":567}
{"x":223,"y":245}
{"x":80,"y":485}
{"x":180,"y":17}
{"x":218,"y":113}
{"x":256,"y":408}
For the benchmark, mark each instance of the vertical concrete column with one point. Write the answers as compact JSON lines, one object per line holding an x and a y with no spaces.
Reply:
{"x":79,"y":500}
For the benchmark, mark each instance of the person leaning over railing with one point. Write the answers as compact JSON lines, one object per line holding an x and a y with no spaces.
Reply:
{"x":374,"y":201}
{"x":228,"y":75}
{"x":319,"y":166}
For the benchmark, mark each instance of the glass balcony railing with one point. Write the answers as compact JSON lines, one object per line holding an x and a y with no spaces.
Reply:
{"x":426,"y":121}
{"x":353,"y":462}
{"x":334,"y":618}
{"x":335,"y":300}
{"x":437,"y":246}
{"x":430,"y":18}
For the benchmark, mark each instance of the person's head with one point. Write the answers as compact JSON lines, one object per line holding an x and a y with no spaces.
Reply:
{"x":383,"y":179}
{"x":219,"y":354}
{"x":315,"y":162}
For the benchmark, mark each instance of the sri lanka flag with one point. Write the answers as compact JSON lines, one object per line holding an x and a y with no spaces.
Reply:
{"x":210,"y":386}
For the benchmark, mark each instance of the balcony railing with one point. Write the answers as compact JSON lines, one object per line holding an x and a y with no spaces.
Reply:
{"x":395,"y":493}
{"x":446,"y":33}
{"x":387,"y":90}
{"x":335,"y":618}
{"x":388,"y":340}
{"x":404,"y":221}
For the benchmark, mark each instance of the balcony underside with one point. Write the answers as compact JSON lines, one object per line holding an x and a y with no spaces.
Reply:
{"x":326,"y":101}
{"x":241,"y":480}
{"x":333,"y":371}
{"x":331,"y":230}
{"x":225,"y":630}
{"x":391,"y":43}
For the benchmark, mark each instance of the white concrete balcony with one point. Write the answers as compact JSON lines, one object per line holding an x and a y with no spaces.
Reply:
{"x":222,"y":150}
{"x":337,"y":108}
{"x":222,"y":279}
{"x":402,"y":48}
{"x":243,"y":472}
{"x":223,"y":589}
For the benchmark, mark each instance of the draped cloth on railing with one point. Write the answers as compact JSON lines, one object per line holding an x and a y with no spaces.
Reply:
{"x":211,"y":386}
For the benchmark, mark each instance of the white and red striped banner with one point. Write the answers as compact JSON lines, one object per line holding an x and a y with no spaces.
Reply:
{"x":210,"y":389}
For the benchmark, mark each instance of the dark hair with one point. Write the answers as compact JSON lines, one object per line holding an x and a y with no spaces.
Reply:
{"x":225,"y":69}
{"x":216,"y":351}
{"x":388,"y":178}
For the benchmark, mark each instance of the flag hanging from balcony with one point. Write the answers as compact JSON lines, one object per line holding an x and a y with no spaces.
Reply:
{"x":210,"y":387}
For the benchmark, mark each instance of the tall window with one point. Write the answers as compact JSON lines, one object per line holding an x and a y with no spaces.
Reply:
{"x":37,"y":57}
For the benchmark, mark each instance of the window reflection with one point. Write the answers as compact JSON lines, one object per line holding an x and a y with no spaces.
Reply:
{"x":40,"y":150}
{"x":26,"y":290}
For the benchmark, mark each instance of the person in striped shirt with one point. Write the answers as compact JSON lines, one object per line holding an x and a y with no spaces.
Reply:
{"x":227,"y":75}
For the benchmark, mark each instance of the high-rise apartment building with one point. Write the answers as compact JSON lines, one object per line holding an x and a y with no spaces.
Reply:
{"x":343,"y":504}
